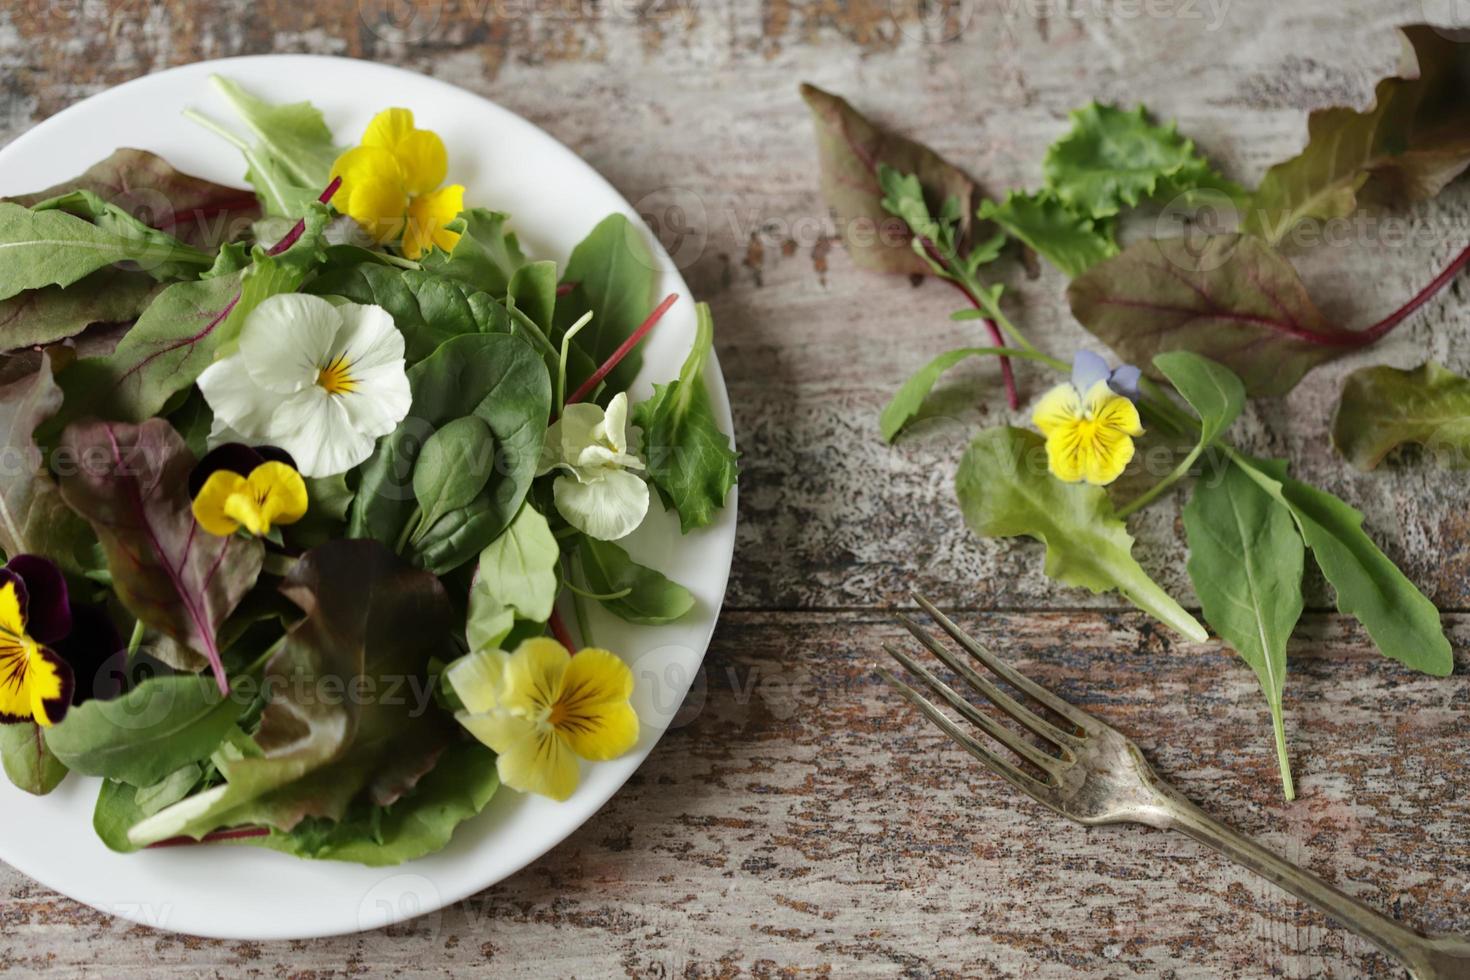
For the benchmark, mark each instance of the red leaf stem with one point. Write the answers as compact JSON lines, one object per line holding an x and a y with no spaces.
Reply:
{"x":1007,"y":375}
{"x":238,"y":833}
{"x":300,"y":226}
{"x":590,"y":385}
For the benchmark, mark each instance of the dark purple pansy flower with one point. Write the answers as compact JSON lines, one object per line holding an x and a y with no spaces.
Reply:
{"x":236,"y":457}
{"x":51,"y":650}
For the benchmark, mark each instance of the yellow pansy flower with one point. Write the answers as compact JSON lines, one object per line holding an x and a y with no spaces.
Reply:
{"x":1089,"y":436}
{"x":390,"y":185}
{"x":272,"y":494}
{"x":541,"y":709}
{"x":36,"y":683}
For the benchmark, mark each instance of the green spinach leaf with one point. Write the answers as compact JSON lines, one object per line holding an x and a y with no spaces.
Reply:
{"x":611,"y":274}
{"x":644,"y":596}
{"x":453,"y":467}
{"x":486,"y":256}
{"x":496,"y":377}
{"x":516,"y":579}
{"x":29,"y":763}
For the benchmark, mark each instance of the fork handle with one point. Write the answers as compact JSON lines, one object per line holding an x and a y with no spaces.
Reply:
{"x":1427,"y":957}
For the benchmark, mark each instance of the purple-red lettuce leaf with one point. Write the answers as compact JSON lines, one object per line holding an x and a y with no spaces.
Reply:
{"x":1413,"y":141}
{"x":130,"y":482}
{"x":1230,"y":298}
{"x":849,"y":149}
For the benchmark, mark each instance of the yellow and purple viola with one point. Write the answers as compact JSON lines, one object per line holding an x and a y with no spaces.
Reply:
{"x":237,"y":487}
{"x":1091,"y":421}
{"x":51,"y":651}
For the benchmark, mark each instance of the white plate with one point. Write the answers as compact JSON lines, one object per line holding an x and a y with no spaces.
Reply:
{"x":554,"y":199}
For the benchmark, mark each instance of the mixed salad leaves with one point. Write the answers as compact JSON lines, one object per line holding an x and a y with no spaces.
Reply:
{"x":1202,"y":320}
{"x":327,"y":453}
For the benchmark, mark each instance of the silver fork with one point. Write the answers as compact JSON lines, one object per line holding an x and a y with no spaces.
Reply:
{"x":1097,"y":776}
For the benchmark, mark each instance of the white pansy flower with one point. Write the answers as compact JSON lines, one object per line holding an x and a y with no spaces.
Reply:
{"x":600,"y":496}
{"x":320,"y":381}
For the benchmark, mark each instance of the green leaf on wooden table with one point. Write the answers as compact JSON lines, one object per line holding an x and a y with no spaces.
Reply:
{"x":504,"y":382}
{"x":196,"y":211}
{"x":1245,"y":560}
{"x":1006,"y":491}
{"x":850,"y":149}
{"x":1213,"y":391}
{"x":1413,"y":141}
{"x":291,"y":161}
{"x":486,"y":255}
{"x":428,"y":309}
{"x":373,"y":624}
{"x":909,"y":399}
{"x":689,"y":459}
{"x":452,"y":468}
{"x":421,"y":823}
{"x":611,"y":273}
{"x":1113,"y":159}
{"x":182,"y":332}
{"x":45,"y":248}
{"x":38,"y":317}
{"x":1370,"y":588}
{"x":33,"y":517}
{"x":117,"y":220}
{"x":160,"y":725}
{"x":30,"y":765}
{"x":131,"y":483}
{"x":516,"y":579}
{"x":1384,"y":407}
{"x":1231,"y":298}
{"x":643,"y":595}
{"x":1068,"y":240}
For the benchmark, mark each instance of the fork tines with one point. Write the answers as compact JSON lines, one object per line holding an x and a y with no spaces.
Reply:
{"x":1065,"y":742}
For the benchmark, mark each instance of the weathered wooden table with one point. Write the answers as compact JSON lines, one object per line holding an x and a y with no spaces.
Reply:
{"x":802,"y":820}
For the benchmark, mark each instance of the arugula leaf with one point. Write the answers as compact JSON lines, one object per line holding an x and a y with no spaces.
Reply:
{"x":1068,"y":240}
{"x":182,"y":331}
{"x":1245,"y":560}
{"x":428,"y":308}
{"x":1005,"y":491}
{"x":292,"y":160}
{"x":1231,"y":298}
{"x":689,"y":459}
{"x":31,"y":766}
{"x":1113,"y":159}
{"x":38,"y":317}
{"x":516,"y":579}
{"x":33,"y":517}
{"x":1213,"y":391}
{"x":420,"y":824}
{"x":1370,"y":588}
{"x":644,"y":595}
{"x":160,"y":725}
{"x":850,"y":149}
{"x":372,"y":625}
{"x":494,"y":376}
{"x":1413,"y":141}
{"x":199,"y":212}
{"x":486,"y":255}
{"x":1384,"y":407}
{"x":130,"y":482}
{"x":53,"y":247}
{"x":118,"y":221}
{"x":453,"y":467}
{"x":611,"y":274}
{"x":910,"y":398}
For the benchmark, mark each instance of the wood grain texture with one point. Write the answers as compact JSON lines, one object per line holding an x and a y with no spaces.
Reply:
{"x":803,"y":821}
